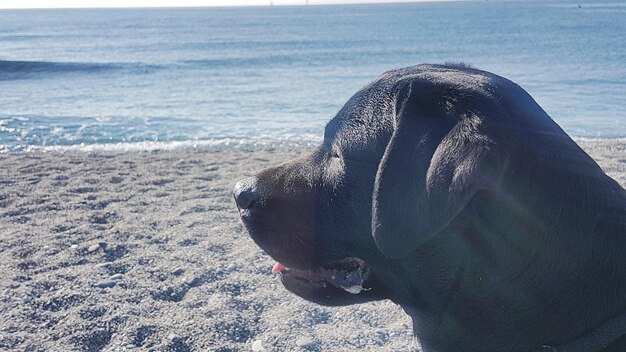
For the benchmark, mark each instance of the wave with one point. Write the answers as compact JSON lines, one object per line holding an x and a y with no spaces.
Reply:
{"x":289,"y":142}
{"x":12,"y":70}
{"x":321,"y":57}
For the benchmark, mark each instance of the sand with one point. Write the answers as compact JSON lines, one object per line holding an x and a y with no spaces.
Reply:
{"x":145,"y":251}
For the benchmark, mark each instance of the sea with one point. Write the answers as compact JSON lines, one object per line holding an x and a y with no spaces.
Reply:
{"x":270,"y":77}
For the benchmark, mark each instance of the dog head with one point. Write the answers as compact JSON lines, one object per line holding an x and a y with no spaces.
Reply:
{"x":398,"y":162}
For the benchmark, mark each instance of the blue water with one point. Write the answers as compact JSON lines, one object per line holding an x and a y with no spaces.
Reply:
{"x":272,"y":76}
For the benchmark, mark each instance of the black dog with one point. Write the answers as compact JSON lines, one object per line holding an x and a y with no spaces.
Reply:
{"x":451,"y":192}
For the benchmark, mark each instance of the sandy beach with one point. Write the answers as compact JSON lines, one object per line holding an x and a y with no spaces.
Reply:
{"x":145,"y":251}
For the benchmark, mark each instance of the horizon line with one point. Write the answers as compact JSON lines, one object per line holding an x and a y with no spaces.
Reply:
{"x":198,"y":4}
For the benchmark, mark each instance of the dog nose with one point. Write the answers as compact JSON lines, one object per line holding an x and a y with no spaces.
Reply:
{"x":246,"y":193}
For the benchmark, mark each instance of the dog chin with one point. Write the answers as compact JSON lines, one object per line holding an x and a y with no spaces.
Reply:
{"x":342,"y":282}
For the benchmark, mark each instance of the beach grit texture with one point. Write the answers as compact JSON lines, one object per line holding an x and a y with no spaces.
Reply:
{"x":145,"y":251}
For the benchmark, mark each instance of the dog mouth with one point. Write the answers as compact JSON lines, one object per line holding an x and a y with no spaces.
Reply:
{"x":348,"y":274}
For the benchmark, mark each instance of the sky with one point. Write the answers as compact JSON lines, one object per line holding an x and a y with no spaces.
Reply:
{"x":12,"y":4}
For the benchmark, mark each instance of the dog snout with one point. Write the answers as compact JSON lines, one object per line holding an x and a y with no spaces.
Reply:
{"x":246,"y":193}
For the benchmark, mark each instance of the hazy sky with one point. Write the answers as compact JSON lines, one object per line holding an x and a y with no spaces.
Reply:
{"x":8,"y":4}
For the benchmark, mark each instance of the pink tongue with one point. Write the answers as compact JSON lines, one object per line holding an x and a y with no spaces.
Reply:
{"x":278,"y":267}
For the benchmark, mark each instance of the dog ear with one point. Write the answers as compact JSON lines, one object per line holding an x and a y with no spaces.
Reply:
{"x":438,"y":157}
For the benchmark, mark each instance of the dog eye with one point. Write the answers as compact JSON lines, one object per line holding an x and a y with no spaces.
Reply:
{"x":334,"y":154}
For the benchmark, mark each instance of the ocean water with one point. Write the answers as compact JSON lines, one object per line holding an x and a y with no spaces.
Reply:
{"x":266,"y":77}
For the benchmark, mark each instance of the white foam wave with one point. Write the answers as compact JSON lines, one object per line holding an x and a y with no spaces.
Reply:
{"x":251,"y":143}
{"x":289,"y":141}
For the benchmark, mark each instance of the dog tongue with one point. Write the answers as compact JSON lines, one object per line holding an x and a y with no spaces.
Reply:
{"x":278,"y":267}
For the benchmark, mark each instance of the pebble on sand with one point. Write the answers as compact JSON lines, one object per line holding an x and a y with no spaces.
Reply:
{"x":257,"y":346}
{"x":104,"y":265}
{"x":106,"y":283}
{"x":305,"y":342}
{"x":116,"y":277}
{"x":93,"y":247}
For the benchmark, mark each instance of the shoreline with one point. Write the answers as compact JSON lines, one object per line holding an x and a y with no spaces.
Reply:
{"x":290,"y":142}
{"x":145,"y":251}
